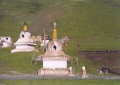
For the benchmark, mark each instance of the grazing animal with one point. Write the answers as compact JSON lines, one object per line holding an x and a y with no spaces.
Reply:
{"x":73,"y":60}
{"x":103,"y":71}
{"x":36,"y":58}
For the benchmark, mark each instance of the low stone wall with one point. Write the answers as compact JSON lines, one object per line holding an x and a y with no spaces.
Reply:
{"x":104,"y":51}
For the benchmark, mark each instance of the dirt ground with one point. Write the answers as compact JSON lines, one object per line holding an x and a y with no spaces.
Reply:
{"x":110,"y":59}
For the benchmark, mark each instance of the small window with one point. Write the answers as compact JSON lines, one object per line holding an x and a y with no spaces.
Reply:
{"x":23,"y":36}
{"x":6,"y":38}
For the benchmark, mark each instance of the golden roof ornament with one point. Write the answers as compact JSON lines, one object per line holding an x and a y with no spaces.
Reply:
{"x":25,"y":26}
{"x":54,"y":32}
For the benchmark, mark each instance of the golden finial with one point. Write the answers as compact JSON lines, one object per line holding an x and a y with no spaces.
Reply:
{"x":25,"y":26}
{"x":54,"y":25}
{"x":54,"y":32}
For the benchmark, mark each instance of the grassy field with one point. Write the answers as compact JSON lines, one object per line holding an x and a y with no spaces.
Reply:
{"x":60,"y":82}
{"x":94,"y":24}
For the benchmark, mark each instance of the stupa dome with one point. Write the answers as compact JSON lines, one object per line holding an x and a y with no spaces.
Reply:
{"x":25,"y":34}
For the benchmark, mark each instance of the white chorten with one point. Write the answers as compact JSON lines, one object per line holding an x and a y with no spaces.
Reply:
{"x":24,"y":43}
{"x":54,"y":59}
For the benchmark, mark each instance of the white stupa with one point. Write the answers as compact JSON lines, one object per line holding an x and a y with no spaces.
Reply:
{"x":54,"y":59}
{"x":24,"y":43}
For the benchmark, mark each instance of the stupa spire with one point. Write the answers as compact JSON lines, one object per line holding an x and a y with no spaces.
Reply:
{"x":54,"y":32}
{"x":25,"y":26}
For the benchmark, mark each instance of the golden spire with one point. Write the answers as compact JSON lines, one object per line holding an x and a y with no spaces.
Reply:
{"x":25,"y":26}
{"x":54,"y":32}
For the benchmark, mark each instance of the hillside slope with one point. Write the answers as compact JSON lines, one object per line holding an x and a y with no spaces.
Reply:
{"x":13,"y":13}
{"x":93,"y":24}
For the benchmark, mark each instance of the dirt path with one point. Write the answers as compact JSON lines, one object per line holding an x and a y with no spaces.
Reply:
{"x":46,"y":18}
{"x":32,"y":77}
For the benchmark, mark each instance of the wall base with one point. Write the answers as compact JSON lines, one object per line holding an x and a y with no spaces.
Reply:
{"x":56,"y":71}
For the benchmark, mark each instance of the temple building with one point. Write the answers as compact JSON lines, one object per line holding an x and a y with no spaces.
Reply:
{"x":54,"y":59}
{"x":24,"y":43}
{"x":5,"y":41}
{"x":45,"y":40}
{"x":36,"y":38}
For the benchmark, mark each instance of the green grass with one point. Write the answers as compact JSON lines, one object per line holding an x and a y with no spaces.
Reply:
{"x":95,"y":19}
{"x":92,"y":24}
{"x":89,"y":18}
{"x":60,"y":82}
{"x":16,"y":62}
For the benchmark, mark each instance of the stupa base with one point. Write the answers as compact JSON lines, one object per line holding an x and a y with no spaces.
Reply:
{"x":71,"y":75}
{"x":21,"y":50}
{"x":49,"y":71}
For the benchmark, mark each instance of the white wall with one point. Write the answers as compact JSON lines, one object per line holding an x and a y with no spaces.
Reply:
{"x":46,"y":41}
{"x":5,"y":44}
{"x":54,"y":64}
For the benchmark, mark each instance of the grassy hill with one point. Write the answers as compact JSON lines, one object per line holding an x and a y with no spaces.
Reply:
{"x":13,"y":13}
{"x":94,"y":24}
